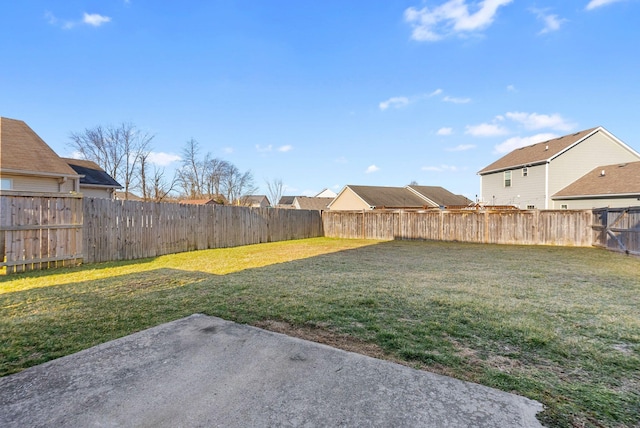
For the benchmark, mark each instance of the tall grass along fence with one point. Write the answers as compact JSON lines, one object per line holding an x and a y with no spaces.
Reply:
{"x":617,"y":229}
{"x":127,"y":230}
{"x":39,"y":231}
{"x":534,"y":227}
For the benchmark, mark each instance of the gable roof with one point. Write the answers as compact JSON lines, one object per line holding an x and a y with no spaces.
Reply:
{"x":617,"y":180}
{"x":92,"y":174}
{"x":312,"y":203}
{"x":286,"y":200}
{"x":387,"y":197}
{"x":22,"y":151}
{"x":440,"y":196}
{"x":199,"y":202}
{"x":539,"y":152}
{"x":255,"y":199}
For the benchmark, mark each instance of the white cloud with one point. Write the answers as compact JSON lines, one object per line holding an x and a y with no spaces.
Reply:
{"x":372,"y":168}
{"x":517,"y":142}
{"x":285,"y":148}
{"x":95,"y":19}
{"x":486,"y":130}
{"x":461,"y":148}
{"x":163,"y":159}
{"x":395,"y":102}
{"x":451,"y":17}
{"x":436,"y":92}
{"x":593,"y":4}
{"x":454,"y":100}
{"x":444,"y":131}
{"x":534,"y":121}
{"x":511,"y":88}
{"x":551,"y":22}
{"x":264,"y":149}
{"x":441,"y":168}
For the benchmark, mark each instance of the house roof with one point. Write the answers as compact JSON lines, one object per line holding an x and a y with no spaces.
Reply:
{"x":255,"y":199}
{"x":93,"y":174}
{"x":538,"y":153}
{"x":388,"y":197}
{"x":608,"y":180}
{"x":313,"y":203}
{"x":286,"y":200}
{"x":199,"y":202}
{"x":22,"y":151}
{"x":128,"y":196}
{"x":440,"y":196}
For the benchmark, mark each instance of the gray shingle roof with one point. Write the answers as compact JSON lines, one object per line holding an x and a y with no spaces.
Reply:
{"x":313,"y":203}
{"x":93,"y":174}
{"x":536,"y":153}
{"x":389,"y":197}
{"x":440,"y":195}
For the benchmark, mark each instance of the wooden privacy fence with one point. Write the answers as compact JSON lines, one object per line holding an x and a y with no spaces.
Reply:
{"x":617,"y":229}
{"x":534,"y":227}
{"x":38,"y":231}
{"x":127,"y":230}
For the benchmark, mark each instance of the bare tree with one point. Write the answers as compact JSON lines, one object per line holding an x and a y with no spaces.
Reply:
{"x":190,"y":174}
{"x":116,"y":149}
{"x":237,"y":184}
{"x":275,"y":188}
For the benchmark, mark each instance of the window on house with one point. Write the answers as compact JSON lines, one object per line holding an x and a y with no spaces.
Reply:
{"x":531,"y":207}
{"x":5,"y":184}
{"x":525,"y":171}
{"x":507,"y":179}
{"x":564,"y":207}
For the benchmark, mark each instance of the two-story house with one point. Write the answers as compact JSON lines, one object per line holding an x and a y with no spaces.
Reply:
{"x":530,"y":176}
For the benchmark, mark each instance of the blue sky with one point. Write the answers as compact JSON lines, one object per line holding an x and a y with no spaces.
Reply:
{"x":322,"y":94}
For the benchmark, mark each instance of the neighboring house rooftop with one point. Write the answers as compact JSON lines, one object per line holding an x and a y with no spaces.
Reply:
{"x":286,"y":200}
{"x":388,"y":197}
{"x":128,"y":196}
{"x":312,"y":203}
{"x":92,"y":174}
{"x":607,"y":180}
{"x":539,"y":152}
{"x":440,"y":196}
{"x":22,"y":151}
{"x":199,"y":202}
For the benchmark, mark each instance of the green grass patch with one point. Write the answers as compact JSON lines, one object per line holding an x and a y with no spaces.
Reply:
{"x":559,"y":325}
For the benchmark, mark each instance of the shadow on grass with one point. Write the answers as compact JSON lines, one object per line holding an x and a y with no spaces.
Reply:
{"x":546,"y":329}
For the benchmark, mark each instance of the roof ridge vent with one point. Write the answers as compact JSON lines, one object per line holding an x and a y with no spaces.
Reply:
{"x":602,"y":173}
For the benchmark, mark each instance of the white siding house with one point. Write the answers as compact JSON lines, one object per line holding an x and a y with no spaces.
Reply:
{"x":528,"y":177}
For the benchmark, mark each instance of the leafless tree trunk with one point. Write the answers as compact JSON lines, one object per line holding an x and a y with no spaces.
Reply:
{"x":275,"y":189}
{"x":116,"y":149}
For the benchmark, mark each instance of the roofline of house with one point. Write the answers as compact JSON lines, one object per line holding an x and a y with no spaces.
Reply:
{"x":510,"y":168}
{"x":421,"y":195}
{"x":101,"y":186}
{"x":599,"y":196}
{"x":38,"y":173}
{"x":542,"y":162}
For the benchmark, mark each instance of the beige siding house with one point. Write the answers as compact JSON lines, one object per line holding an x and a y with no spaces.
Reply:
{"x":28,"y":164}
{"x":367,"y":198}
{"x":528,"y":177}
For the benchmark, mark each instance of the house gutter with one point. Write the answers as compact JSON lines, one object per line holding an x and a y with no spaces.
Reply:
{"x":38,"y":173}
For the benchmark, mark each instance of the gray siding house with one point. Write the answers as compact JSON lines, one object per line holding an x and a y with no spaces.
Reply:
{"x":530,"y":176}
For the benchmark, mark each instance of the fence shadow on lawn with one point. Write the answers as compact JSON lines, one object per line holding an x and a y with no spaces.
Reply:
{"x":444,"y":307}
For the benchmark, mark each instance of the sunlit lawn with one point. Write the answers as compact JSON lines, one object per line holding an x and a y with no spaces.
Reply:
{"x":559,"y":325}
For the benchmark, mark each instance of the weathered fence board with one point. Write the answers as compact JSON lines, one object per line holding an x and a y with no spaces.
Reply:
{"x":617,"y":229}
{"x":127,"y":230}
{"x":533,"y":227}
{"x":38,"y":231}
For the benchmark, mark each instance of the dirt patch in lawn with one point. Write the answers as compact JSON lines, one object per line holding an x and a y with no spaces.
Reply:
{"x":326,"y":337}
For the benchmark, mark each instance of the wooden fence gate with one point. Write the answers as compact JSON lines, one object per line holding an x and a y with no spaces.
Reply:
{"x":38,"y":231}
{"x":617,"y":229}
